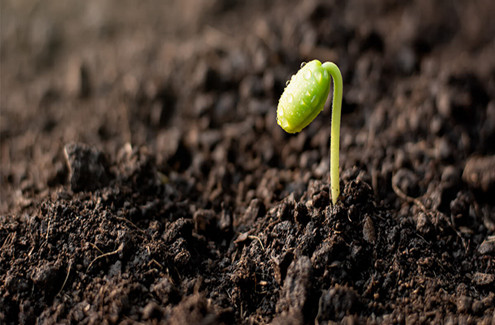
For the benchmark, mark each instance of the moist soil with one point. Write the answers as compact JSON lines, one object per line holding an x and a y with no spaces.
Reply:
{"x":144,"y":178}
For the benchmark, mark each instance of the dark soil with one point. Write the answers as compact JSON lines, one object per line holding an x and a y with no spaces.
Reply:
{"x":144,"y":178}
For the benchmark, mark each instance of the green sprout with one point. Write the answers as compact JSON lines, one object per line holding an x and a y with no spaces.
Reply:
{"x":304,"y":98}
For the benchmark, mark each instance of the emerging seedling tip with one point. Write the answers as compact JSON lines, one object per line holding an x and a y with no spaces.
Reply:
{"x":304,"y":98}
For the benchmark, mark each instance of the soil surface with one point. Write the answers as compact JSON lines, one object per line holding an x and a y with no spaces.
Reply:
{"x":144,"y":178}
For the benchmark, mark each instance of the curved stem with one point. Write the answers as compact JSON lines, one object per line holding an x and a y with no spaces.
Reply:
{"x":334,"y":71}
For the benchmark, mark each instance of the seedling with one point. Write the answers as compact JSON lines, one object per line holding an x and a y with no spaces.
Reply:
{"x":304,"y":98}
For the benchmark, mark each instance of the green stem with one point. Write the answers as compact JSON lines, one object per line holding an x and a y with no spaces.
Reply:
{"x":335,"y":132}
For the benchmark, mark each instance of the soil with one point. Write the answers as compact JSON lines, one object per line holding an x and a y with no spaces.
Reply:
{"x":144,"y":178}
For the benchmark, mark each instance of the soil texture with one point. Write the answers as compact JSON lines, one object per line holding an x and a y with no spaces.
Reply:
{"x":144,"y":179}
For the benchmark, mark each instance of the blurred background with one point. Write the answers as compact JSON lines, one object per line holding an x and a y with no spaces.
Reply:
{"x":181,"y":77}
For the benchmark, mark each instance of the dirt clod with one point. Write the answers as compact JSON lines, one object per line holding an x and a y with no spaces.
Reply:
{"x":480,"y":173}
{"x":87,"y":167}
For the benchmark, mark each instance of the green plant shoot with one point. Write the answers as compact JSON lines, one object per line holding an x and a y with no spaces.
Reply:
{"x":304,"y":98}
